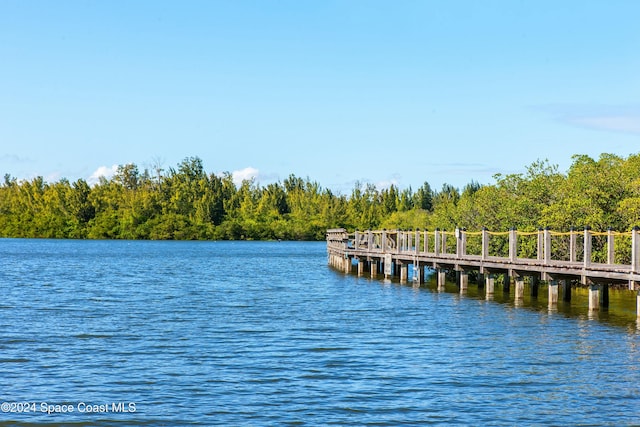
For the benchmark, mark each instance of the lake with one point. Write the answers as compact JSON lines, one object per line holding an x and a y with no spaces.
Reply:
{"x":145,"y":333}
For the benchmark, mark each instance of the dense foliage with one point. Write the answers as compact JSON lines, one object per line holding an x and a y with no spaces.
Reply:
{"x":188,"y":203}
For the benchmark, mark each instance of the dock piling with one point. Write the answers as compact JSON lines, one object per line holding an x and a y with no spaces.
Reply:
{"x":582,"y":257}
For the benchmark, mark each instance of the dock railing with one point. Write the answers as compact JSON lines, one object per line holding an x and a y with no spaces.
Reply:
{"x":610,"y":255}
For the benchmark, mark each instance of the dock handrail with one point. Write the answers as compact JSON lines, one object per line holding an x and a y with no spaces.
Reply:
{"x":610,"y":255}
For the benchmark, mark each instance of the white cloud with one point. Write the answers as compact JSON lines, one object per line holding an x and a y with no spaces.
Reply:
{"x":104,"y":171}
{"x":629,"y":123}
{"x":248,"y":173}
{"x":386,"y":184}
{"x":613,"y":118}
{"x":52,"y":177}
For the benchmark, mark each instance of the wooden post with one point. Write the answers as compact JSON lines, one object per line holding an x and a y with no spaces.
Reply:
{"x":443,"y":247}
{"x":638,"y":304}
{"x":604,"y":296}
{"x":519,"y":294}
{"x":426,"y":241}
{"x":384,"y":240}
{"x":513,"y":245}
{"x":611,"y":255}
{"x":635,"y":249}
{"x":535,"y":284}
{"x":356,"y":239}
{"x":547,"y":245}
{"x":442,"y":276}
{"x":437,"y":241}
{"x":347,"y":264}
{"x":489,"y":284}
{"x":566,"y":290}
{"x":553,"y":292}
{"x":485,"y":243}
{"x":587,"y":246}
{"x":572,"y":245}
{"x":404,"y":272}
{"x":594,"y":297}
{"x":506,"y":283}
{"x":405,"y":240}
{"x":360,"y":267}
{"x":458,"y":245}
{"x":464,"y":281}
{"x":417,"y":240}
{"x":540,"y":251}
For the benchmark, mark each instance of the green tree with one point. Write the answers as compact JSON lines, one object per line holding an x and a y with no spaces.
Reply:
{"x":423,"y":197}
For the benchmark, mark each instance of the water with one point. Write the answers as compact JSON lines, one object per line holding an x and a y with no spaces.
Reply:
{"x":264,"y":333}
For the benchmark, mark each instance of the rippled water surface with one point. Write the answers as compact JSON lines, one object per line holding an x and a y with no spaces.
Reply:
{"x":265,"y":333}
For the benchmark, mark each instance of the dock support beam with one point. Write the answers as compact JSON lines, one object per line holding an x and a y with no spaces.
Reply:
{"x":566,"y":290}
{"x":506,"y":283}
{"x":604,"y":296}
{"x":463,"y":281}
{"x":361,"y":264}
{"x":489,"y":284}
{"x":535,"y":283}
{"x":418,"y":273}
{"x":374,"y":268}
{"x":519,"y":288}
{"x":598,"y":297}
{"x":347,"y":265}
{"x":594,"y":298}
{"x":553,"y":292}
{"x":404,"y":273}
{"x":442,"y":276}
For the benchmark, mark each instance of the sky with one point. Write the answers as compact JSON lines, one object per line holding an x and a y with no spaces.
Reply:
{"x":384,"y":92}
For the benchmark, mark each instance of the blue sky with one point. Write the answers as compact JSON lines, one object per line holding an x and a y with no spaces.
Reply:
{"x":379,"y":92}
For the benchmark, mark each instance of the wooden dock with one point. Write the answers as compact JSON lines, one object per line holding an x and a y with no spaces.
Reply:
{"x":562,"y":259}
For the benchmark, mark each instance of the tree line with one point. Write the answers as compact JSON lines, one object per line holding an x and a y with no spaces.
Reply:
{"x":188,"y":203}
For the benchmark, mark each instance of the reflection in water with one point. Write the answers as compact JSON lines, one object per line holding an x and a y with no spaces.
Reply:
{"x":621,"y":310}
